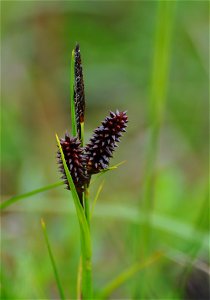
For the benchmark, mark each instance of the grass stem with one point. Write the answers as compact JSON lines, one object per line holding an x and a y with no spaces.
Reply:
{"x":79,"y":280}
{"x":159,"y":82}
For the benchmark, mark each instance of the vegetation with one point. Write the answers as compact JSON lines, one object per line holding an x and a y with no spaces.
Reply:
{"x":149,"y":216}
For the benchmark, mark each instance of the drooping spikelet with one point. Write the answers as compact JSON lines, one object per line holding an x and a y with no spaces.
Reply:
{"x":104,"y":140}
{"x":79,"y":94}
{"x":75,"y":160}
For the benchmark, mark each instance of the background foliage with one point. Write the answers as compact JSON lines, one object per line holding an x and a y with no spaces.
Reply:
{"x":117,"y":43}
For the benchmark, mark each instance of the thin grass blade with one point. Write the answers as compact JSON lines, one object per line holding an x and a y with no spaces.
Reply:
{"x":127,"y":274}
{"x":108,"y":169}
{"x":158,"y":93}
{"x":96,"y":198}
{"x":15,"y":199}
{"x":52,"y":260}
{"x":78,"y":206}
{"x":85,"y":233}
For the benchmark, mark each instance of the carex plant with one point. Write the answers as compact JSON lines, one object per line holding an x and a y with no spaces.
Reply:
{"x":78,"y":162}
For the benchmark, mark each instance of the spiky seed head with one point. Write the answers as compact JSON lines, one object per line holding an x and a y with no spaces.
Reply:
{"x":102,"y":144}
{"x":79,"y":94}
{"x":75,"y":160}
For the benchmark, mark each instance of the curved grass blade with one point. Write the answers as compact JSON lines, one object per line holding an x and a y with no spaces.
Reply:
{"x":15,"y":199}
{"x":78,"y":206}
{"x":127,"y":274}
{"x":57,"y":278}
{"x":184,"y":259}
{"x":114,"y":167}
{"x":108,"y":169}
{"x":85,"y":233}
{"x":124,"y":213}
{"x":96,"y":198}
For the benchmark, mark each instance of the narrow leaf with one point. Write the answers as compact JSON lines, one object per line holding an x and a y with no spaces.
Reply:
{"x":127,"y":274}
{"x":52,"y":260}
{"x":14,"y":199}
{"x":79,"y":209}
{"x":115,"y":166}
{"x":108,"y":169}
{"x":96,"y":198}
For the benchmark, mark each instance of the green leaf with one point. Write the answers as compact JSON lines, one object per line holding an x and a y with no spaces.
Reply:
{"x":96,"y":198}
{"x":106,"y":170}
{"x":79,"y":209}
{"x":156,"y":221}
{"x":52,"y":260}
{"x":126,"y":275}
{"x":85,"y":233}
{"x":15,"y":199}
{"x":113,"y":167}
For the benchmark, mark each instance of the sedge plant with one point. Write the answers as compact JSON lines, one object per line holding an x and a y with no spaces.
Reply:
{"x":78,"y":163}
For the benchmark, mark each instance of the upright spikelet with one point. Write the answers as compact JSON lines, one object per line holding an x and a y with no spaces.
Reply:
{"x":75,"y":160}
{"x":79,"y":94}
{"x":104,"y":140}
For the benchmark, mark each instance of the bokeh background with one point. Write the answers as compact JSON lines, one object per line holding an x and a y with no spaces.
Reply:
{"x":117,"y":40}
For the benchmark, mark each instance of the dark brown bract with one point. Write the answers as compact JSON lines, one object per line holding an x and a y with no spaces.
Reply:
{"x":79,"y":94}
{"x":102,"y":144}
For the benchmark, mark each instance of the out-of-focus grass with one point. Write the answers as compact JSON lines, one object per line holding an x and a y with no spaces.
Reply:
{"x":117,"y":44}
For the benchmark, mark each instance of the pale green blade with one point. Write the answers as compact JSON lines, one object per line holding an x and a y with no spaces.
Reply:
{"x":78,"y":206}
{"x":52,"y":260}
{"x":126,"y":275}
{"x":85,"y":232}
{"x":14,"y":199}
{"x":96,"y":198}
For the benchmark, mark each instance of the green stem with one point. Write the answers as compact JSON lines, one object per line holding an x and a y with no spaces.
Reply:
{"x":86,"y":205}
{"x":79,"y":280}
{"x":86,"y":259}
{"x":160,"y":74}
{"x":84,"y":290}
{"x":158,"y":93}
{"x":86,"y":270}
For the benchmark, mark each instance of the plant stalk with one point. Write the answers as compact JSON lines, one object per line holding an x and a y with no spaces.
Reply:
{"x":86,"y":257}
{"x":86,"y":269}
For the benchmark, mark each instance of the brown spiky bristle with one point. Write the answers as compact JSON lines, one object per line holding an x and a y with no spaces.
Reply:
{"x":75,"y":160}
{"x":104,"y":140}
{"x":79,"y":95}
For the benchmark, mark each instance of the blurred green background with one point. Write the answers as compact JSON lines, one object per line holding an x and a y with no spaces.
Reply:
{"x":117,"y":40}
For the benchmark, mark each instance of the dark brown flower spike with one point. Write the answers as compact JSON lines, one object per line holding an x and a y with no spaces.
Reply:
{"x":76,"y":162}
{"x":79,"y":95}
{"x":104,"y":140}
